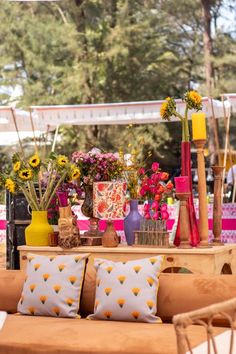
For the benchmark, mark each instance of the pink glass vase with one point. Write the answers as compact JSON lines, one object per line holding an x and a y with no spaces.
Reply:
{"x":62,"y":198}
{"x":194,"y":237}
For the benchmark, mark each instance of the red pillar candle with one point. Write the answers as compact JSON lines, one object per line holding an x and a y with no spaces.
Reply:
{"x":182,"y":184}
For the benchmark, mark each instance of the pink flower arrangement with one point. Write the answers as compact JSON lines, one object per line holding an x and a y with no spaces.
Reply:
{"x":154,"y":187}
{"x":95,"y":166}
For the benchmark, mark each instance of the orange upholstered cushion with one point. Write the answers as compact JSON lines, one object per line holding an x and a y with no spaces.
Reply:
{"x":11,"y":284}
{"x":34,"y":335}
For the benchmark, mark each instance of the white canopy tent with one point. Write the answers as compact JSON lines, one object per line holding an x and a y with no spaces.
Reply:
{"x":231,"y":97}
{"x":119,"y":113}
{"x":45,"y":118}
{"x":16,"y":120}
{"x":22,"y":119}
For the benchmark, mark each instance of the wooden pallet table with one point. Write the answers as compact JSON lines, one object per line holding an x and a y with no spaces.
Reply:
{"x":215,"y":260}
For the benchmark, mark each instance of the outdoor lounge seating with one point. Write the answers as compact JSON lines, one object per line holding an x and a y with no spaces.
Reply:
{"x":178,"y":293}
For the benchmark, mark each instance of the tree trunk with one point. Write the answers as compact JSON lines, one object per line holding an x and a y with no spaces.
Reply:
{"x":208,"y":50}
{"x":209,"y":71}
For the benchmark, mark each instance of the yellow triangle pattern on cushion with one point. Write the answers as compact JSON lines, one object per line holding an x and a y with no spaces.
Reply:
{"x":128,"y":290}
{"x":46,"y":276}
{"x":43,"y":298}
{"x":53,"y":285}
{"x":57,"y":288}
{"x":121,"y":278}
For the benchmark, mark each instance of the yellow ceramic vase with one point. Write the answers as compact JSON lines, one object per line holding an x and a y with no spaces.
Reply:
{"x":36,"y":234}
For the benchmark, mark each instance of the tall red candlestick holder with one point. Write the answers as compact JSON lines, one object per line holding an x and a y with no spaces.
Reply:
{"x":186,"y":171}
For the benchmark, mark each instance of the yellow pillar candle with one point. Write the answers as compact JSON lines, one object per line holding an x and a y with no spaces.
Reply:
{"x":199,"y":126}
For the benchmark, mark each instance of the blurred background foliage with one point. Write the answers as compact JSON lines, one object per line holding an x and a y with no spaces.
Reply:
{"x":94,"y":51}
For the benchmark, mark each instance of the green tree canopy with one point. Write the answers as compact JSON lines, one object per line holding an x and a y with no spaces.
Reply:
{"x":92,"y":51}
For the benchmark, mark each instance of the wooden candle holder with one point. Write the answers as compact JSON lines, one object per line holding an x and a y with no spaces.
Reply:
{"x":69,"y":235}
{"x":202,"y":194}
{"x":184,"y":220}
{"x":217,"y":208}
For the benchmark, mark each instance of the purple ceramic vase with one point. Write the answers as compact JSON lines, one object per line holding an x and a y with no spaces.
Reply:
{"x":132,"y":222}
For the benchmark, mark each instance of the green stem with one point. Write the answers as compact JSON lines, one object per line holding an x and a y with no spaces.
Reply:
{"x":186,"y":127}
{"x":40,"y":186}
{"x":28,"y":198}
{"x":184,"y":121}
{"x":33,"y":193}
{"x":183,"y":130}
{"x":178,"y":115}
{"x":55,"y":189}
{"x":50,"y":179}
{"x":47,"y":192}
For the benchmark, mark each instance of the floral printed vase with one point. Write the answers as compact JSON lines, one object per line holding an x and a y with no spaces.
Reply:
{"x":132,"y":222}
{"x":109,"y":199}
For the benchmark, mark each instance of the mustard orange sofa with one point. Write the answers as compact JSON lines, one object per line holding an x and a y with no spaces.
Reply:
{"x":177,"y":293}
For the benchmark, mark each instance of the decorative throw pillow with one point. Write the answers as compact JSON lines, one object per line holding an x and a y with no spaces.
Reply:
{"x":127,"y":291}
{"x":53,"y":285}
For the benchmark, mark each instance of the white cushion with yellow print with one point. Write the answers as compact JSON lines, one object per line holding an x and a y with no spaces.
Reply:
{"x":53,"y":285}
{"x":127,"y":291}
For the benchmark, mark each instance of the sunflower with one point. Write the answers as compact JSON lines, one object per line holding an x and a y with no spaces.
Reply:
{"x":10,"y":185}
{"x":168,"y":108}
{"x":34,"y":161}
{"x":26,"y":174}
{"x":193,"y":100}
{"x":163,"y":110}
{"x":16,"y":166}
{"x":75,"y":174}
{"x":62,"y":160}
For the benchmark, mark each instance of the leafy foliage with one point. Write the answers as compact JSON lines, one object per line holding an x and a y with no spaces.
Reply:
{"x":91,"y":51}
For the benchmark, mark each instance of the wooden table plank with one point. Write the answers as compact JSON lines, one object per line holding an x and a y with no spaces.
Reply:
{"x":196,"y":260}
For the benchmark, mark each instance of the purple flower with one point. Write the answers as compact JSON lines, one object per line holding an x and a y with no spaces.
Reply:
{"x":98,"y":176}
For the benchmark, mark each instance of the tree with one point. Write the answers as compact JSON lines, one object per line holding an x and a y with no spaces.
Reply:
{"x":91,"y":51}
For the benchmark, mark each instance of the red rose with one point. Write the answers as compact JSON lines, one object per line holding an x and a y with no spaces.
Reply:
{"x":161,"y":189}
{"x":155,"y":166}
{"x":164,"y":176}
{"x":169,"y":185}
{"x":141,"y":171}
{"x":157,"y":197}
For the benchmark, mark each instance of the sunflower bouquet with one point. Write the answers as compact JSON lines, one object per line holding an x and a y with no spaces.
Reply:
{"x":168,"y":109}
{"x":39,"y":180}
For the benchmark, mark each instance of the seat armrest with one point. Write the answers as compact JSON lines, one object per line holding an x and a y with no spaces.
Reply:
{"x":180,"y":293}
{"x":11,"y":284}
{"x":205,"y":317}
